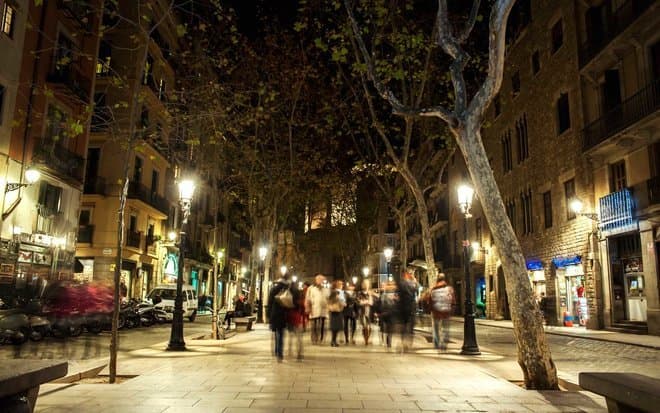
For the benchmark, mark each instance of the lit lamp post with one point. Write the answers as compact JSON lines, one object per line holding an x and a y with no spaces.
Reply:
{"x":387,"y":252}
{"x":32,"y":175}
{"x":470,"y":346}
{"x":365,"y":272}
{"x":260,"y":309}
{"x":186,"y":191}
{"x":355,"y":280}
{"x":283,"y":270}
{"x":214,"y":317}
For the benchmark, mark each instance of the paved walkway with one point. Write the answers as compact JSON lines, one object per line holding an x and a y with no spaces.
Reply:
{"x":240,"y":375}
{"x":642,"y":340}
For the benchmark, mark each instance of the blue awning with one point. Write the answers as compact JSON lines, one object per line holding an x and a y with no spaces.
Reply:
{"x":561,"y":262}
{"x":534,"y":264}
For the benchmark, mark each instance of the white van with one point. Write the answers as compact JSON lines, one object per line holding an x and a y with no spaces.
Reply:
{"x":167,"y":294}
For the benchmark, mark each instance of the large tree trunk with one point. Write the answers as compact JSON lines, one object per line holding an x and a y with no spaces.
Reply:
{"x":533,"y":353}
{"x":423,"y":214}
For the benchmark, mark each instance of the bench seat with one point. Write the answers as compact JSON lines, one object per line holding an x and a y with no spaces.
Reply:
{"x":624,"y":392}
{"x":20,"y":381}
{"x":245,"y":321}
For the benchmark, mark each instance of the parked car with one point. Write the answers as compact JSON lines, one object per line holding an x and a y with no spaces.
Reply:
{"x":163,"y":296}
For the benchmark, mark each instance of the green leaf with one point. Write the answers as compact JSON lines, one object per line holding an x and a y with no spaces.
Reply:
{"x":181,"y":30}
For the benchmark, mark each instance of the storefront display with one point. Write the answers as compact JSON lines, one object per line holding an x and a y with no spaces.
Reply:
{"x":571,"y":291}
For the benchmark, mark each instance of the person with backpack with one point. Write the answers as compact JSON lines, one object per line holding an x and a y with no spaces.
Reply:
{"x":276,"y":311}
{"x":442,"y":301}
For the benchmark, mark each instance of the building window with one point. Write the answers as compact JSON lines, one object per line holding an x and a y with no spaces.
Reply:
{"x":618,"y":176}
{"x":527,"y":215}
{"x":536,"y":62}
{"x":477,"y":230}
{"x":8,"y":20}
{"x":105,"y":57}
{"x":523,"y":138}
{"x":63,"y":57}
{"x":515,"y":84}
{"x":497,"y":105}
{"x":506,"y":151}
{"x":547,"y":209}
{"x":85,"y":217}
{"x":56,"y":125}
{"x":510,"y":206}
{"x":49,"y":198}
{"x":102,"y":115}
{"x":563,"y":114}
{"x":557,"y":34}
{"x":3,"y":91}
{"x":137,"y":170}
{"x":569,"y":194}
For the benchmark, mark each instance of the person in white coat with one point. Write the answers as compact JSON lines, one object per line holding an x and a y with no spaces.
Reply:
{"x":316,"y":307}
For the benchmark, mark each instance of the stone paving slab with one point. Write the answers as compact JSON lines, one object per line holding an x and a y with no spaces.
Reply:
{"x":240,"y":375}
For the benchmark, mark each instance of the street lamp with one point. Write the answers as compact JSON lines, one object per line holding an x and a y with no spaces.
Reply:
{"x":263,"y":251}
{"x":355,"y":280}
{"x":186,"y":191}
{"x":217,"y":266}
{"x":32,"y":175}
{"x":470,"y":346}
{"x":283,"y":270}
{"x":577,"y":205}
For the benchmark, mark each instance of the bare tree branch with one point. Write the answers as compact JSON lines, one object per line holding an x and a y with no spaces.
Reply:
{"x":397,"y":106}
{"x":496,"y":49}
{"x":469,"y":25}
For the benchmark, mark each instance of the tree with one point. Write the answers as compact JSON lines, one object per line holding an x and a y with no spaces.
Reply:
{"x":464,"y":121}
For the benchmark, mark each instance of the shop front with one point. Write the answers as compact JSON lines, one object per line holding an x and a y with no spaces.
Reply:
{"x":536,"y":275}
{"x":628,"y":279}
{"x":572,"y":300}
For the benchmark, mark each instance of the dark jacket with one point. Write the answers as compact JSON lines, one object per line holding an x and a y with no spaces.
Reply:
{"x":275,"y":312}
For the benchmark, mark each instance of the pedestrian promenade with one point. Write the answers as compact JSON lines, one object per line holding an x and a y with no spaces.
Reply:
{"x":240,"y":375}
{"x":641,"y":340}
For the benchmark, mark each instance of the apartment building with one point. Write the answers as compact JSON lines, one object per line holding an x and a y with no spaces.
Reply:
{"x":533,"y":137}
{"x":619,"y":74}
{"x":13,"y":17}
{"x":134,"y":85}
{"x":46,"y":99}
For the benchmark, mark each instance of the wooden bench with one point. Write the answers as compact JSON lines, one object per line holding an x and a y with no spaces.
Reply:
{"x":245,"y":321}
{"x":20,"y":381}
{"x":624,"y":392}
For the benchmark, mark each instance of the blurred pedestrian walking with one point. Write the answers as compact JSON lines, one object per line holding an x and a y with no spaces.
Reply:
{"x":336,"y":305}
{"x":365,"y":301}
{"x":388,"y":308}
{"x":407,"y":287}
{"x":441,"y":302}
{"x":316,"y":306}
{"x":296,"y":322}
{"x":350,"y":314}
{"x":277,"y":314}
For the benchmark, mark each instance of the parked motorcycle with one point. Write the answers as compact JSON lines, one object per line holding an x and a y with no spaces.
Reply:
{"x":14,"y":325}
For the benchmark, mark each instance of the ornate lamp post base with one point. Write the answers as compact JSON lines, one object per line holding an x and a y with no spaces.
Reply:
{"x":470,"y":347}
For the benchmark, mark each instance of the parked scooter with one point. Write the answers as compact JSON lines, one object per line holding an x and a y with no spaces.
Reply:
{"x":14,"y":325}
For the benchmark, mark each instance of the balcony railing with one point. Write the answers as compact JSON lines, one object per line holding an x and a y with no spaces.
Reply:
{"x":73,"y":79}
{"x":85,"y":234}
{"x":59,"y":159}
{"x":628,"y":112}
{"x":133,"y":239}
{"x":95,"y":185}
{"x":647,"y":193}
{"x":613,"y":25}
{"x":144,"y":194}
{"x":617,"y":212}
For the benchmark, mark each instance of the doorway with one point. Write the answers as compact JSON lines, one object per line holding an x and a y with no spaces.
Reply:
{"x":502,"y":296}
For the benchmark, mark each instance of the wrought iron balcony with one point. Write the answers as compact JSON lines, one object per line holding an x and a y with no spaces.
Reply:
{"x":617,"y":212}
{"x":635,"y":108}
{"x":144,"y":194}
{"x":612,"y":26}
{"x":95,"y":186}
{"x":133,"y":239}
{"x":85,"y":234}
{"x":72,"y":78}
{"x":65,"y":163}
{"x":647,"y":193}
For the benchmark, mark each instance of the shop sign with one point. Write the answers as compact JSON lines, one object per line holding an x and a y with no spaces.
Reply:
{"x":534,"y":264}
{"x":107,"y":251}
{"x":561,"y":262}
{"x":42,"y":239}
